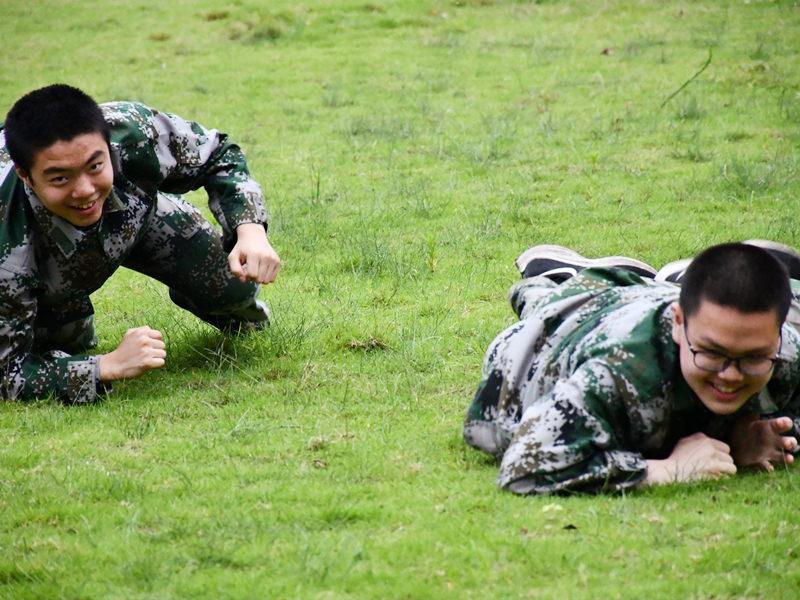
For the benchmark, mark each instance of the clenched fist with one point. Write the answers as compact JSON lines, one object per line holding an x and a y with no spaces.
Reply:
{"x":140,"y":350}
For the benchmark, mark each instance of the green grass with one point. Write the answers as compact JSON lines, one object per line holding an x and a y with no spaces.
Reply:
{"x":409,"y":151}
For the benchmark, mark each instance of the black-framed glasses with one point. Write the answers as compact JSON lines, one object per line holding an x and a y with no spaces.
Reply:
{"x":714,"y":362}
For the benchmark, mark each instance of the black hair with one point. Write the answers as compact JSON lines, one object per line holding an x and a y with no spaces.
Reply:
{"x":48,"y":115}
{"x":746,"y":278}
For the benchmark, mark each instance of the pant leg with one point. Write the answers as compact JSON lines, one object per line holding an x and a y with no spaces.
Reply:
{"x":181,"y":249}
{"x":494,"y":413}
{"x":525,"y":295}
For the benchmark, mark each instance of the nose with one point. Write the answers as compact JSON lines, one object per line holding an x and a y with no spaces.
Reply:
{"x":83,"y":188}
{"x":731,"y":373}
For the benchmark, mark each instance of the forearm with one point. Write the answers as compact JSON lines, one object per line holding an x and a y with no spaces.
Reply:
{"x":603,"y":472}
{"x":215,"y":164}
{"x":74,"y":379}
{"x":234,"y":199}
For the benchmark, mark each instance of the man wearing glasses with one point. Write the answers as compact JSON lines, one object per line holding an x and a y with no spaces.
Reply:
{"x":618,"y":376}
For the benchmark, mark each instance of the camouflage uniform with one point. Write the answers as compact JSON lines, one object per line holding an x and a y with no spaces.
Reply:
{"x":587,"y":386}
{"x":48,"y":267}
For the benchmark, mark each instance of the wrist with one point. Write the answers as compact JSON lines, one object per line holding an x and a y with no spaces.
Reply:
{"x":660,"y":471}
{"x":106,"y":368}
{"x":101,"y":386}
{"x":250,"y":229}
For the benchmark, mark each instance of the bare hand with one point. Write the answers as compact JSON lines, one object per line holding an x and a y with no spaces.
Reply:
{"x":757,"y":443}
{"x":253,"y":257}
{"x":694,"y":457}
{"x":140,"y":350}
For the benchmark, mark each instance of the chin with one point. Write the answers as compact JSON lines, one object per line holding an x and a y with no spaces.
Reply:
{"x":721,"y":407}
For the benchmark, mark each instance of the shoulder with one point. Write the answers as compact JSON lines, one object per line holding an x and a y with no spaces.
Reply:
{"x":132,"y":123}
{"x":134,"y":138}
{"x":16,"y":231}
{"x":14,"y":213}
{"x":632,"y":338}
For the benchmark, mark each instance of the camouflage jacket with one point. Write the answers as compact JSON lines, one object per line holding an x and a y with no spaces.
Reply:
{"x":44,"y":260}
{"x":587,"y":386}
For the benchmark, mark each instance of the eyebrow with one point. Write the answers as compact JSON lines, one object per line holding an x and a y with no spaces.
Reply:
{"x":711,"y":346}
{"x":53,"y":170}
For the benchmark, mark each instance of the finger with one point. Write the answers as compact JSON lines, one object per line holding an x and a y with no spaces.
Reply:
{"x":780,"y":424}
{"x":237,"y":264}
{"x":263,"y":270}
{"x":152,"y":342}
{"x":789,"y":458}
{"x":788,"y":443}
{"x":724,"y":457}
{"x":276,"y":267}
{"x":720,"y":446}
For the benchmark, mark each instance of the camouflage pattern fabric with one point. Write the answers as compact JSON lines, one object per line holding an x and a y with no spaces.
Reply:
{"x":587,"y":386}
{"x":48,"y":267}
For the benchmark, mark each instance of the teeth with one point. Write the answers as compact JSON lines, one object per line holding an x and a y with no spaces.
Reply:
{"x":84,"y":206}
{"x":725,"y":390}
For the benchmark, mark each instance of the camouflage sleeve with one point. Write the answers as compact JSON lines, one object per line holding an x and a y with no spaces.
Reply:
{"x":188,"y":157}
{"x":562,"y":445}
{"x":25,"y":376}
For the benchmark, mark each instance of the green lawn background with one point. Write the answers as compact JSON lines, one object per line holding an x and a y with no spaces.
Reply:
{"x":409,"y":151}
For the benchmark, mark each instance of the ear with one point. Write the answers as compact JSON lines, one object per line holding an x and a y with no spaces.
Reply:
{"x":677,"y":323}
{"x":24,"y":176}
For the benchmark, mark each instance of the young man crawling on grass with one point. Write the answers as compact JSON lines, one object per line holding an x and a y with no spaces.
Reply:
{"x":614,"y":377}
{"x":85,"y":189}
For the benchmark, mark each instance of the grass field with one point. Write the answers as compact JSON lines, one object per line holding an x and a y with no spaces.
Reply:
{"x":409,"y":151}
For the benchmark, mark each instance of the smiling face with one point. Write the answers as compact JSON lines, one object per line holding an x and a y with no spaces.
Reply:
{"x":725,"y":330}
{"x":73,"y":179}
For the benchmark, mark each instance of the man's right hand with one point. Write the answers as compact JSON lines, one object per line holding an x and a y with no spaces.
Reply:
{"x":694,"y":457}
{"x":140,"y":350}
{"x":757,"y":443}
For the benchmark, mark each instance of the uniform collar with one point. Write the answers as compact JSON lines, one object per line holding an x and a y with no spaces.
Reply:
{"x":63,"y":233}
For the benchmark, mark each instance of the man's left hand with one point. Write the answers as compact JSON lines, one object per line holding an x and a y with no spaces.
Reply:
{"x":253,"y":257}
{"x":757,"y":443}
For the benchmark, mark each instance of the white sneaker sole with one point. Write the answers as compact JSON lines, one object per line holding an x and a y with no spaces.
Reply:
{"x":681,"y":265}
{"x":769,"y":245}
{"x":572,"y":258}
{"x":670,"y":269}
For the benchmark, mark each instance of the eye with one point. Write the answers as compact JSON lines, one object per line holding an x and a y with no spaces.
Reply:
{"x":713,"y":355}
{"x":96,"y":167}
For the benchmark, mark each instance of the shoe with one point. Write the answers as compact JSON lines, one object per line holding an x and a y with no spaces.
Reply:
{"x":786,"y":254}
{"x":672,"y":272}
{"x":559,"y":263}
{"x":227,"y":324}
{"x":790,"y":258}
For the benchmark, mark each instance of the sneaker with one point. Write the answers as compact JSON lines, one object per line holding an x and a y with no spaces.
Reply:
{"x":227,"y":324}
{"x":237,"y":328}
{"x":672,"y":272}
{"x":786,"y":254}
{"x":559,"y":263}
{"x":790,"y":258}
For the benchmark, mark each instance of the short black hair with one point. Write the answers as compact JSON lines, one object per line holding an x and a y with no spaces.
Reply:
{"x":41,"y":118}
{"x":746,"y":278}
